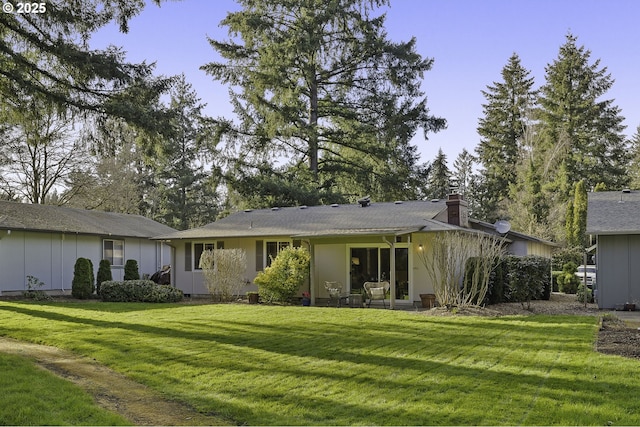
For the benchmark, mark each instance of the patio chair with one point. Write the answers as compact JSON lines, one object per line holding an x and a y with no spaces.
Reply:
{"x":335,"y":293}
{"x":376,"y":291}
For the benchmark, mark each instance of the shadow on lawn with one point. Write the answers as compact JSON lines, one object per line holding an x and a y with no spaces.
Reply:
{"x":368,"y":355}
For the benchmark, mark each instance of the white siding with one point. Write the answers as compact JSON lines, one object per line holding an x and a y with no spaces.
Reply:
{"x":51,"y":258}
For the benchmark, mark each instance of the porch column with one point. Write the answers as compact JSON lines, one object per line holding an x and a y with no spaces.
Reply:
{"x":392,"y":272}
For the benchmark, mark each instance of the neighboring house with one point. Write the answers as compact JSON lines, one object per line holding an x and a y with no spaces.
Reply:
{"x":613,"y":217}
{"x":45,"y":242}
{"x":350,"y":244}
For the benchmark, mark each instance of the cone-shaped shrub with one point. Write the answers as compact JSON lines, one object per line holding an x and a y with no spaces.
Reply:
{"x":131,"y":270}
{"x":104,"y":274}
{"x":81,"y":286}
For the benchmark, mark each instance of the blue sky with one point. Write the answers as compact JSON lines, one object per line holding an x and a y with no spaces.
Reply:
{"x":470,"y":41}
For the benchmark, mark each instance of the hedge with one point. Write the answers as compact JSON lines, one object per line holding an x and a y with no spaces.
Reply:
{"x":518,"y":279}
{"x":138,"y":291}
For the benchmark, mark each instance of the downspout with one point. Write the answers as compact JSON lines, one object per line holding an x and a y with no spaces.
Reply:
{"x":62,"y":262}
{"x":392,"y":272}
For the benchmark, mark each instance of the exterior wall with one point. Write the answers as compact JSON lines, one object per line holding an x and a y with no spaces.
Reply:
{"x":51,"y":258}
{"x":331,"y":265}
{"x":422,"y":283}
{"x":191,"y":281}
{"x":618,"y":261}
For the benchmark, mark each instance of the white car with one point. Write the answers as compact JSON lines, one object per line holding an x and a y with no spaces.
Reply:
{"x":591,"y":274}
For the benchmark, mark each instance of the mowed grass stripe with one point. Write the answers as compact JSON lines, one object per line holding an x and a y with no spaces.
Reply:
{"x":316,"y":365}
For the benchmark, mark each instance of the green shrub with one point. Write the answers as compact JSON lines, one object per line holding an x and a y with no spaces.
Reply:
{"x":104,"y":274}
{"x":554,"y":280}
{"x":565,"y":255}
{"x":81,"y":287}
{"x":33,"y":290}
{"x":131,"y":270}
{"x":567,"y":280}
{"x":527,"y":278}
{"x":139,"y":291}
{"x":580,"y":294}
{"x":282,"y":280}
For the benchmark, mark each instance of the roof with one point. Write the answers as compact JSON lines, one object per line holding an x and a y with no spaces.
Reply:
{"x":45,"y":218}
{"x":324,"y":221}
{"x":613,"y":212}
{"x":511,"y":234}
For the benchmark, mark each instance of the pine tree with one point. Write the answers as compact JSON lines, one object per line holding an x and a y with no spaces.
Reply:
{"x":439,"y":182}
{"x":318,"y":84}
{"x":580,"y":131}
{"x":506,"y":113}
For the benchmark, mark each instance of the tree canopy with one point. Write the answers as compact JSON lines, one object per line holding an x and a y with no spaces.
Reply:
{"x":46,"y":55}
{"x":322,"y":97}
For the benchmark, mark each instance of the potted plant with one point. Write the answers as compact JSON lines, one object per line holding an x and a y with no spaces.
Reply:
{"x":306,"y":299}
{"x":252,"y":297}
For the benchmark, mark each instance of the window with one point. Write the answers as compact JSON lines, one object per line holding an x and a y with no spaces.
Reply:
{"x":198,"y":249}
{"x":273,"y":249}
{"x":113,"y":251}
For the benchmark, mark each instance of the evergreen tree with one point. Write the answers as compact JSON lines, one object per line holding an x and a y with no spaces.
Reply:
{"x":580,"y":214}
{"x":634,"y":166}
{"x":104,"y":274}
{"x":318,"y":84}
{"x":131,"y":270}
{"x":463,"y":172}
{"x":185,"y":191}
{"x":581,"y":132}
{"x":439,"y":182}
{"x":81,"y":286}
{"x":45,"y":55}
{"x":570,"y":225}
{"x":506,"y":113}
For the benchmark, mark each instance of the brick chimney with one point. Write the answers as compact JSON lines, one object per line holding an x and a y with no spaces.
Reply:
{"x":457,"y":211}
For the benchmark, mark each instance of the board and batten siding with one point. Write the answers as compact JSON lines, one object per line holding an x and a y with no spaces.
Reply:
{"x":618,"y":262}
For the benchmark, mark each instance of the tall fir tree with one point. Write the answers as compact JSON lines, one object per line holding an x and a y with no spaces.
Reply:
{"x":463,"y":173}
{"x":185,"y":191}
{"x":581,"y":133}
{"x":506,"y":113}
{"x":318,"y":88}
{"x":439,"y":182}
{"x":45,"y":55}
{"x":634,"y":166}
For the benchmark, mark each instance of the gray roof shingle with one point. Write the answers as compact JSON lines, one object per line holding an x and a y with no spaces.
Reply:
{"x":325,"y":220}
{"x":45,"y":218}
{"x":613,"y":212}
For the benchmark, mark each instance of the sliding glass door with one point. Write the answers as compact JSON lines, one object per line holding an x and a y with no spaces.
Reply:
{"x":373,"y":264}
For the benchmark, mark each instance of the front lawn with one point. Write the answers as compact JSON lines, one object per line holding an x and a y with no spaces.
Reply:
{"x":32,"y":396}
{"x":310,"y":365}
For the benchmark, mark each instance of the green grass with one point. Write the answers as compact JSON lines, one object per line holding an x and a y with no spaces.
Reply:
{"x":311,"y":365}
{"x":32,"y":396}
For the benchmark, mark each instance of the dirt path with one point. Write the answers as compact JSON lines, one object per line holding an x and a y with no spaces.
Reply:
{"x":111,"y":390}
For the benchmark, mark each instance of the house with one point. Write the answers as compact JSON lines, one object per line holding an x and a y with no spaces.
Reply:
{"x":45,"y":242}
{"x":350,"y":243}
{"x":613,"y":218}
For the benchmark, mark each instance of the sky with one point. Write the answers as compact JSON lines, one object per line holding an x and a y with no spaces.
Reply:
{"x":470,"y":41}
